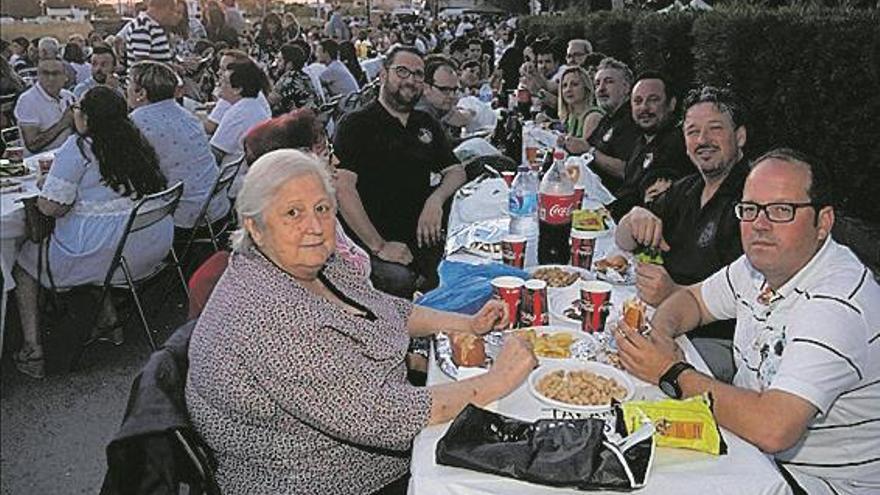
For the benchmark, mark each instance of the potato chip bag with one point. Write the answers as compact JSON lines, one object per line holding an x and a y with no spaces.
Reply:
{"x":682,"y":424}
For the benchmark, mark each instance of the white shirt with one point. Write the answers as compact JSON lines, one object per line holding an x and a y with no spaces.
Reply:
{"x":241,"y":116}
{"x":314,"y":71}
{"x":35,"y":108}
{"x":222,"y":106}
{"x":818,"y":337}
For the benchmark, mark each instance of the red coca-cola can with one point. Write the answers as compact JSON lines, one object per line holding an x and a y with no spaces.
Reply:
{"x":509,"y":290}
{"x":583,"y":245}
{"x":533,"y":311}
{"x":513,"y":250}
{"x":595,"y":305}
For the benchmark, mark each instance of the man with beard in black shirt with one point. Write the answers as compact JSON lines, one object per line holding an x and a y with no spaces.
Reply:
{"x":397,"y":171}
{"x":658,"y":158}
{"x":693,"y":223}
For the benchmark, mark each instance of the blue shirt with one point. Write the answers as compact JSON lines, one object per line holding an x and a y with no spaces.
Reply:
{"x":184,"y":156}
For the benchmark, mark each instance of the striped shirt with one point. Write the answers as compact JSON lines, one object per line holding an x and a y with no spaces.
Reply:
{"x":816,"y":337}
{"x":146,"y":39}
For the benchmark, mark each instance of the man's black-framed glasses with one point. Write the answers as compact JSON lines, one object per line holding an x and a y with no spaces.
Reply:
{"x":446,"y":90}
{"x":404,"y":72}
{"x":748,"y":211}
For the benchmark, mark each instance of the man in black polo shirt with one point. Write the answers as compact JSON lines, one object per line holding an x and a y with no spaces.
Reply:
{"x":398,"y":170}
{"x":659,"y":156}
{"x":615,"y":136}
{"x":693,"y":222}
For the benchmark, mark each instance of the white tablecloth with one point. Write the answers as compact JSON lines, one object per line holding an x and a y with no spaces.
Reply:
{"x":744,"y":470}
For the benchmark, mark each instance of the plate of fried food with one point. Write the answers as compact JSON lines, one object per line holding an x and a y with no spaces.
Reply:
{"x":580,"y":386}
{"x":616,"y":269}
{"x":558,"y":276}
{"x":550,"y":342}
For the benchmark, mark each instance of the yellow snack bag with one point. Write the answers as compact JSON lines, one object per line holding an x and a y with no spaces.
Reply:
{"x":590,"y":220}
{"x":683,"y":424}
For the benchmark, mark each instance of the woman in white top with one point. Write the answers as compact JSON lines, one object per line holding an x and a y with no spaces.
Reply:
{"x":94,"y":182}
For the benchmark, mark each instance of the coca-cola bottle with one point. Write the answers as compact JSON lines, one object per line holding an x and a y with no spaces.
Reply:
{"x":556,"y":202}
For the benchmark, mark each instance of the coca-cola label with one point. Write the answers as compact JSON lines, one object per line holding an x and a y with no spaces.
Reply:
{"x":556,"y":210}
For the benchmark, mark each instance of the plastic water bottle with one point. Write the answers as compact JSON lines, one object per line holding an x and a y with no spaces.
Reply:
{"x":523,"y":207}
{"x":486,"y":93}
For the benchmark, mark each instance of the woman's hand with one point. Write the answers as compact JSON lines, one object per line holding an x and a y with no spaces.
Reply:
{"x":514,"y":363}
{"x":492,"y":316}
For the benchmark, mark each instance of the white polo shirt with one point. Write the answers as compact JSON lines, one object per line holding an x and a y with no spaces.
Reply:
{"x":222,"y":106}
{"x":35,"y":108}
{"x":817,"y":337}
{"x":244,"y":114}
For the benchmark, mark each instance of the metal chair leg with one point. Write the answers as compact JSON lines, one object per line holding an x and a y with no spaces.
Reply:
{"x":137,"y":302}
{"x":180,"y":272}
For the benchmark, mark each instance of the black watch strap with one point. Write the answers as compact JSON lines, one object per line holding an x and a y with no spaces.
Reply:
{"x":669,"y":381}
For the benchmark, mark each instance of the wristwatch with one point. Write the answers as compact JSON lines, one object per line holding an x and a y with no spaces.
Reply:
{"x":669,"y":381}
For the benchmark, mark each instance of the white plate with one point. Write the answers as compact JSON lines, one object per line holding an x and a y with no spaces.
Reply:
{"x":584,"y":274}
{"x":574,"y":365}
{"x":576,"y":336}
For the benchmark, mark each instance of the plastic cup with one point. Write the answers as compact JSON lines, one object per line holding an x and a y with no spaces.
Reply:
{"x":595,"y":305}
{"x":509,"y":290}
{"x":583,"y":246}
{"x":513,"y":250}
{"x":45,"y":163}
{"x":508,"y":177}
{"x":14,"y":153}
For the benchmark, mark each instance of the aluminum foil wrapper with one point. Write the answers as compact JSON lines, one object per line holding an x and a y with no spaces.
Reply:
{"x":481,"y":239}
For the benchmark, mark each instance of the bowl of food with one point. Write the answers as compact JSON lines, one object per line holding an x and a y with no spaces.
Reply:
{"x":558,"y":276}
{"x":580,"y":386}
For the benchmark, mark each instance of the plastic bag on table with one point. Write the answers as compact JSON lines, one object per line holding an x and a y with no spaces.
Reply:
{"x":579,"y":453}
{"x":465,"y":288}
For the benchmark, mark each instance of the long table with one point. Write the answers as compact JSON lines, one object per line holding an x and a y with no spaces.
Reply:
{"x":744,"y":470}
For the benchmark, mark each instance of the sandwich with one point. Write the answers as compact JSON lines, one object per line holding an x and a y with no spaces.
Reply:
{"x":467,"y":350}
{"x":634,"y":314}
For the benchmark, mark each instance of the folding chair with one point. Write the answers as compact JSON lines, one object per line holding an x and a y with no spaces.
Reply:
{"x":147,"y":212}
{"x":221,"y":187}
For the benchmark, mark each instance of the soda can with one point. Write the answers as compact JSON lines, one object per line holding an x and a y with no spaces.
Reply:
{"x":513,"y":250}
{"x":533,"y":311}
{"x":595,"y":305}
{"x":583,"y":245}
{"x":509,"y":290}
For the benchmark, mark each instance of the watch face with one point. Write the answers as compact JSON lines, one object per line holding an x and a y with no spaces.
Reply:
{"x":668,"y":389}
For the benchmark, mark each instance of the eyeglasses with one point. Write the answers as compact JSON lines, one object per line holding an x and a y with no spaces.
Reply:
{"x":405,"y":73}
{"x":572,"y":55}
{"x":747,"y":211}
{"x":446,"y":90}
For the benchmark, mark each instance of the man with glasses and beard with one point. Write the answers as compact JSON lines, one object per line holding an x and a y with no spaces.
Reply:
{"x":103,"y":63}
{"x":807,"y":313}
{"x":693,"y":224}
{"x":397,"y":171}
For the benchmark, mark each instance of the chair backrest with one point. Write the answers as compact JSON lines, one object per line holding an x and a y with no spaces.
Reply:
{"x":221,"y":187}
{"x":148,"y":211}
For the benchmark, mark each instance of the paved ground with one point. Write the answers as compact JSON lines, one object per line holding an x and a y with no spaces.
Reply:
{"x":53,"y":432}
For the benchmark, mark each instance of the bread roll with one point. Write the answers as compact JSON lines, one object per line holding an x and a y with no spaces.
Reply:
{"x":468,"y":350}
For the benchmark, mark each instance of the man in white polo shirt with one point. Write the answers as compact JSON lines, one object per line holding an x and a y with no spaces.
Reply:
{"x":44,"y":114}
{"x":807,"y":339}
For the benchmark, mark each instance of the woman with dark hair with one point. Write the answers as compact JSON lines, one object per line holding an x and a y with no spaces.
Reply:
{"x":216,"y":28}
{"x":187,"y":32}
{"x":76,"y":57}
{"x":97,"y":176}
{"x":348,"y":56}
{"x":269,"y":39}
{"x":294,"y":88}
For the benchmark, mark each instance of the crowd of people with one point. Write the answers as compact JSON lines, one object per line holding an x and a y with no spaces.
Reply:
{"x":297,"y":364}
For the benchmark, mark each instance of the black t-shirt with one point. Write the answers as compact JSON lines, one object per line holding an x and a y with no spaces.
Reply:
{"x":393,"y":164}
{"x":615,"y":136}
{"x":702,"y":239}
{"x":663,"y":157}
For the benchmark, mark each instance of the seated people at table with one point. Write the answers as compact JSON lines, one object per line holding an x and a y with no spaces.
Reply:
{"x":542,"y":78}
{"x":44,"y":113}
{"x":658,"y":157}
{"x":297,"y":379}
{"x":227,"y":57}
{"x":103,"y":67}
{"x":471,"y":78}
{"x":398,"y":171}
{"x":807,"y":311}
{"x":178,"y":138}
{"x":615,"y":136}
{"x":302,"y":130}
{"x":577,"y":51}
{"x":294,"y":88}
{"x":95,"y":180}
{"x":577,"y":110}
{"x":693,"y":223}
{"x":336,"y":80}
{"x":240,"y":85}
{"x":440,"y":95}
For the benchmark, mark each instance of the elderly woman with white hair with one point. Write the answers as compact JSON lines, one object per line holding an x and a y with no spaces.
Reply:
{"x":297,"y":378}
